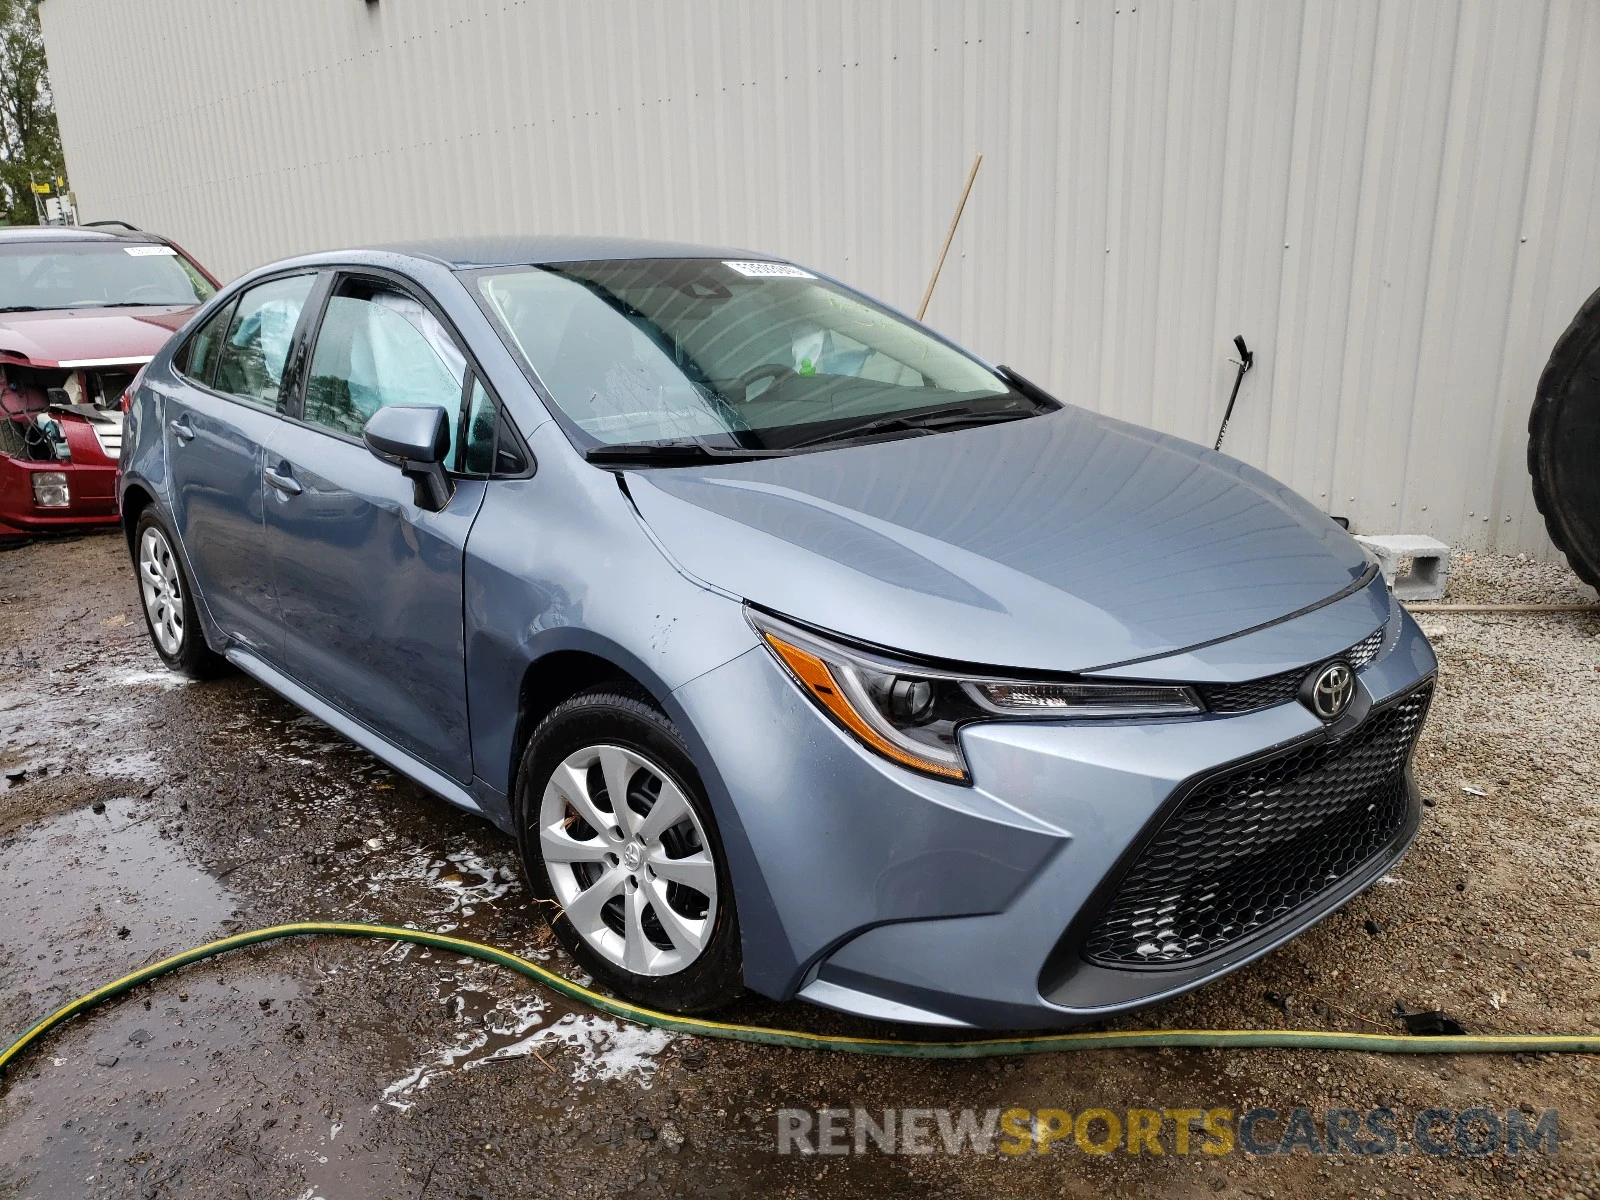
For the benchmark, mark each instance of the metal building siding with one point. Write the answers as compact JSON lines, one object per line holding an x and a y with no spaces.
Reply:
{"x":1396,"y":203}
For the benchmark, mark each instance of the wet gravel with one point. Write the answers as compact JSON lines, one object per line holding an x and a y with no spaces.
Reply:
{"x":140,"y":815}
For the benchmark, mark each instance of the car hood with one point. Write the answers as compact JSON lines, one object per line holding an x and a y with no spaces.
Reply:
{"x":1063,"y":542}
{"x":99,"y":335}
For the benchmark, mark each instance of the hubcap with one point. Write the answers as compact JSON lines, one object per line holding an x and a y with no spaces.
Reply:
{"x":162,"y":588}
{"x":630,"y":864}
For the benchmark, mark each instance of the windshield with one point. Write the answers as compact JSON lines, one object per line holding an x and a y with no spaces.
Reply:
{"x":739,"y":354}
{"x":47,"y":275}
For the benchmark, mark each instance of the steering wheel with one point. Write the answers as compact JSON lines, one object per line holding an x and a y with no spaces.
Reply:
{"x":776,"y":372}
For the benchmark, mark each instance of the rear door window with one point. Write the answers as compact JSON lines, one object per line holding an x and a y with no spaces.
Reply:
{"x":377,"y":346}
{"x":256,"y":349}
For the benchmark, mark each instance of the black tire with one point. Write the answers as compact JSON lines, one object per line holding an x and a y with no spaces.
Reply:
{"x":1564,"y":443}
{"x":616,"y":715}
{"x":192,"y":656}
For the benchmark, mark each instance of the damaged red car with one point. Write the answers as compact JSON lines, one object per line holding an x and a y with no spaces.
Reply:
{"x":81,"y":311}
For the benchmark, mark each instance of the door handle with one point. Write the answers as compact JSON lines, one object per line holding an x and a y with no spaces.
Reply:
{"x":284,"y":483}
{"x":181,"y":430}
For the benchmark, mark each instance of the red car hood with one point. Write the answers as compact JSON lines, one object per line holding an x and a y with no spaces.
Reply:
{"x":88,"y":336}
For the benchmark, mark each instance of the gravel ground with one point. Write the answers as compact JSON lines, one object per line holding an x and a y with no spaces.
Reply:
{"x":140,"y":815}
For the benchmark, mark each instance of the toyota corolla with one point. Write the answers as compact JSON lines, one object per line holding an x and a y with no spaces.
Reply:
{"x":800,"y":649}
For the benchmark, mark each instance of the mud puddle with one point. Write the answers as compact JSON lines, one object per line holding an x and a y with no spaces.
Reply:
{"x":98,"y":892}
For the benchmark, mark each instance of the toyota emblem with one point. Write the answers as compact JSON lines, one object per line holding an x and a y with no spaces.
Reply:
{"x":1329,"y":692}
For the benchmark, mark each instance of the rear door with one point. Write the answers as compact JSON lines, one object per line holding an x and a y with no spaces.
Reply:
{"x":368,"y":582}
{"x":217,"y":424}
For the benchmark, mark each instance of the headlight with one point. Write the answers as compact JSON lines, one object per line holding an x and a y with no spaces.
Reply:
{"x":50,"y":489}
{"x":910,"y":714}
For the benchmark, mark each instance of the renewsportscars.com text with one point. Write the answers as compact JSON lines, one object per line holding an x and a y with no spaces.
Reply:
{"x":1213,"y":1131}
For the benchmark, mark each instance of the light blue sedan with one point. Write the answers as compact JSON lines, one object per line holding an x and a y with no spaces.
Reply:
{"x":801,"y":650}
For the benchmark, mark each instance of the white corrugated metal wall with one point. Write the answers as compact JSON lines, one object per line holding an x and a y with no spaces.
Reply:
{"x":1395,"y":201}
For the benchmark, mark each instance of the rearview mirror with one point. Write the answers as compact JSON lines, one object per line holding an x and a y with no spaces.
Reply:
{"x":418,"y":435}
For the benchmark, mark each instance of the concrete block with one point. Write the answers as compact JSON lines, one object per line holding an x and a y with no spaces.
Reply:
{"x":1429,"y":560}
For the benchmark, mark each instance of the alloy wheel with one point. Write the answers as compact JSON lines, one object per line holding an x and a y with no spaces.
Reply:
{"x":161,"y":585}
{"x":628,"y":860}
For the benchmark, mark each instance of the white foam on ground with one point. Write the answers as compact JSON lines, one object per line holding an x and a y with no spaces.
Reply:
{"x":400,"y":1094}
{"x":161,"y":679}
{"x":510,"y":1018}
{"x":457,"y":882}
{"x":583,"y":1046}
{"x":593,"y":1047}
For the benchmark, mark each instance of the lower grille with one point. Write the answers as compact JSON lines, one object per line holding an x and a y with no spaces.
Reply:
{"x":1281,"y":688}
{"x":1252,"y":844}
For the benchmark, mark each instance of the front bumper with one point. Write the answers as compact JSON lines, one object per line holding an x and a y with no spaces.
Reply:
{"x":872,"y":890}
{"x":91,"y":488}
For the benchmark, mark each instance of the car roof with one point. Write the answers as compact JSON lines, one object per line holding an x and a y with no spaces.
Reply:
{"x":463,"y":253}
{"x":68,"y":233}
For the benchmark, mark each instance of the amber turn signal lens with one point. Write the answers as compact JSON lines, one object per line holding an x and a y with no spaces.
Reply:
{"x":818,"y":679}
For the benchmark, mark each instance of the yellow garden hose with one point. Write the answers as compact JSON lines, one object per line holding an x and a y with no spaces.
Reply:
{"x":1380,"y":1043}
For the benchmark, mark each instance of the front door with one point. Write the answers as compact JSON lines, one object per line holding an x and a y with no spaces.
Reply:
{"x":368,"y":582}
{"x":217,"y":423}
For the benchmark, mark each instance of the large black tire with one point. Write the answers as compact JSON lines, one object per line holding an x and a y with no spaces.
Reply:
{"x":616,"y":715}
{"x":191,"y":656}
{"x":1564,"y":443}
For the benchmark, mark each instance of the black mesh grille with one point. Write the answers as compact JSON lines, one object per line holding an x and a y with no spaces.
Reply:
{"x":1251,"y":845}
{"x":1279,"y":689}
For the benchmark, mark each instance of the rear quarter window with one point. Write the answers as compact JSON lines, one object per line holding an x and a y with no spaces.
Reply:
{"x":196,"y":359}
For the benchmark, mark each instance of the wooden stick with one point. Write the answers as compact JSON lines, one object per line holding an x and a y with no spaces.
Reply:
{"x":949,"y":237}
{"x":1504,"y":608}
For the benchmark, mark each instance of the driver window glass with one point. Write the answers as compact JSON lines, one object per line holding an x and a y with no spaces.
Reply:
{"x":256,"y":349}
{"x":380,"y":346}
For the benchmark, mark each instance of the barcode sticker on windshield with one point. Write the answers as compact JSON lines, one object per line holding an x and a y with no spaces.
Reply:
{"x":146,"y":251}
{"x":769,"y":270}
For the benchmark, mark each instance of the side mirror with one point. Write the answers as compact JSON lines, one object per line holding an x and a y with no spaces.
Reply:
{"x":418,"y":435}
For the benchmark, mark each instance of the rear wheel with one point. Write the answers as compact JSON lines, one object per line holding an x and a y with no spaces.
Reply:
{"x":169,"y":610}
{"x":616,"y":833}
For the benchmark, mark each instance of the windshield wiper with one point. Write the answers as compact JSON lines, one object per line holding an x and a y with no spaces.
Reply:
{"x":939,"y":418}
{"x":670,"y":453}
{"x":21,"y":308}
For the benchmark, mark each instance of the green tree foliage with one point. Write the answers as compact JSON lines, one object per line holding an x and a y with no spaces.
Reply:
{"x":30,"y":143}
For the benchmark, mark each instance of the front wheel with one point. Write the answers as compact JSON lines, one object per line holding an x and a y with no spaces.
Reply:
{"x":616,"y":833}
{"x":168,"y":601}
